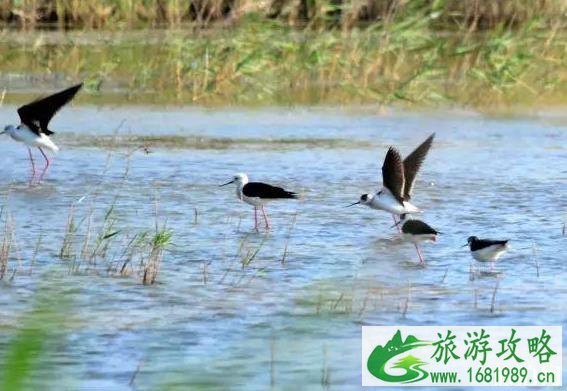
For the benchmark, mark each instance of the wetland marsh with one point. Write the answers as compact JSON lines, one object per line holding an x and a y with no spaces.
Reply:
{"x":226,"y":298}
{"x":129,"y":268}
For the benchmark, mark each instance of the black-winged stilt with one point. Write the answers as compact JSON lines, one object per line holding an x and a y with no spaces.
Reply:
{"x":33,"y":130}
{"x":417,"y":231}
{"x":258,"y":194}
{"x":486,"y":250}
{"x":398,"y":178}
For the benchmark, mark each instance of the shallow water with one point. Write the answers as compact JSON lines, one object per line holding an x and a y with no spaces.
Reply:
{"x":272,"y":323}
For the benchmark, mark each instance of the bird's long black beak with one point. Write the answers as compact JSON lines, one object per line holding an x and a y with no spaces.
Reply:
{"x":465,"y":245}
{"x":395,"y":225}
{"x":227,"y":183}
{"x":353,"y":204}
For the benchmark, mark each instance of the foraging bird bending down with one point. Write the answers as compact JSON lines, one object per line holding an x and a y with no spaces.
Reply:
{"x":258,"y":194}
{"x":398,"y":178}
{"x":33,"y":130}
{"x":417,"y":231}
{"x":486,"y":250}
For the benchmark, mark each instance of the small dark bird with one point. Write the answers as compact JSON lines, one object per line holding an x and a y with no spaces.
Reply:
{"x":258,"y":194}
{"x":486,"y":250}
{"x":33,"y":130}
{"x":417,"y":231}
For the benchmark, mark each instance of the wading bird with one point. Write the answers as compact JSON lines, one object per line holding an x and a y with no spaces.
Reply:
{"x":417,"y":231}
{"x":398,"y":178}
{"x":258,"y":194}
{"x":486,"y":250}
{"x":33,"y":130}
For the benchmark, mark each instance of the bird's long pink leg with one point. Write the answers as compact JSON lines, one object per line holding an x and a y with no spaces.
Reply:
{"x":32,"y":166}
{"x":396,"y":223}
{"x":256,"y":218}
{"x":421,"y":261}
{"x":266,"y":218}
{"x":47,"y":164}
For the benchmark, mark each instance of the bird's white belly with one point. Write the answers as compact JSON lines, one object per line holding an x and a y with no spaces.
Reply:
{"x":419,"y":238}
{"x":489,"y":254}
{"x":254,"y":201}
{"x":26,"y":136}
{"x":390,"y":204}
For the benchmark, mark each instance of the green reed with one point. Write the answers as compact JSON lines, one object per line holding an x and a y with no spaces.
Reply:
{"x":40,"y":333}
{"x":426,"y":53}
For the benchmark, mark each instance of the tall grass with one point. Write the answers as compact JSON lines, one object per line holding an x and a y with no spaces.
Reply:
{"x":96,"y":243}
{"x":157,"y":245}
{"x":473,"y":52}
{"x":97,"y":240}
{"x":267,"y":62}
{"x":345,"y":14}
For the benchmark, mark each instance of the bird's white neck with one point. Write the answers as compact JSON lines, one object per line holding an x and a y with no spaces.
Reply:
{"x":240,"y":188}
{"x":239,"y":192}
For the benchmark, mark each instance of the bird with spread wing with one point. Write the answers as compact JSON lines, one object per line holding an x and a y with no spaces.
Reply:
{"x":34,"y":131}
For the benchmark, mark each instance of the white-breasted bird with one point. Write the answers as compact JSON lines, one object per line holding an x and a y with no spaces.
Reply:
{"x":486,"y":250}
{"x":417,"y":231}
{"x":33,"y":130}
{"x":398,"y":178}
{"x":258,"y":194}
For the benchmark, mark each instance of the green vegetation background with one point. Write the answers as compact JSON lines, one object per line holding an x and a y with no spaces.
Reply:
{"x":469,"y":53}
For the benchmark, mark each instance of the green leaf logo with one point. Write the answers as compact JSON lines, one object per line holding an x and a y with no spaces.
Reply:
{"x":381,"y":355}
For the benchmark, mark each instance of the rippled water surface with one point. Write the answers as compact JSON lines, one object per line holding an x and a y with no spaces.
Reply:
{"x":246,"y":310}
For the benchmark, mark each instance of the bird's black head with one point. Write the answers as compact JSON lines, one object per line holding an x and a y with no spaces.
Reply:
{"x":470,"y":241}
{"x":364,"y":199}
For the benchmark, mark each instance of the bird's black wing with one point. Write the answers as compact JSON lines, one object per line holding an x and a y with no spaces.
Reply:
{"x":37,"y":114}
{"x":484,"y":243}
{"x":393,"y":174}
{"x":418,"y":227}
{"x":263,"y":190}
{"x":412,"y":164}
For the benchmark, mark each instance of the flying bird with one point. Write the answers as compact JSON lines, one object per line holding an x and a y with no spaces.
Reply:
{"x":417,"y":231}
{"x":398,"y":179}
{"x":258,"y":194}
{"x":33,"y":130}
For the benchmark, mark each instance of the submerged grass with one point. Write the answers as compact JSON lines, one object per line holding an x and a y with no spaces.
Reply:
{"x":96,"y":244}
{"x":97,"y":240}
{"x":158,"y":244}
